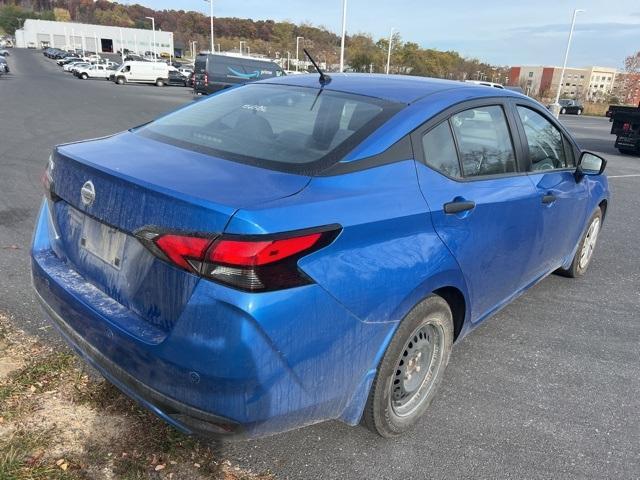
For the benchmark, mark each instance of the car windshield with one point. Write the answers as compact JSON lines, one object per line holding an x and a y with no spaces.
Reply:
{"x":275,"y":126}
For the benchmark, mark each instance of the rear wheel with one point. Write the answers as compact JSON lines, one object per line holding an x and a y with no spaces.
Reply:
{"x":628,"y":151}
{"x":563,"y":111}
{"x":411,"y":369}
{"x":587,"y":245}
{"x":159,"y":83}
{"x":84,"y":76}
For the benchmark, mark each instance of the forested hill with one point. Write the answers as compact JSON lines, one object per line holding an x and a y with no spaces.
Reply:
{"x":364,"y":53}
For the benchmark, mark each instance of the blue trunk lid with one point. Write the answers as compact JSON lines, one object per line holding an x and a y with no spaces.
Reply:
{"x":139,"y":182}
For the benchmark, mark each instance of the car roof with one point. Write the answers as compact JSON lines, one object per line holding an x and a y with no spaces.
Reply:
{"x":395,"y":88}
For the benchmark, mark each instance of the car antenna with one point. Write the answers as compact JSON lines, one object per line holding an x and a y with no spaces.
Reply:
{"x":324,"y":78}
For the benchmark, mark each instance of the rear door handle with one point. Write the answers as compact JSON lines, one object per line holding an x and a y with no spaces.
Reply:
{"x":549,"y":198}
{"x":459,"y":206}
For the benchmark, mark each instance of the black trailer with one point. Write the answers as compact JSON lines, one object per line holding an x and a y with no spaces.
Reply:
{"x":626,"y":127}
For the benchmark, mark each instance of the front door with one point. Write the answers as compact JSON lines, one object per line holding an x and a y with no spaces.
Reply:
{"x":552,"y":166}
{"x":483,"y":208}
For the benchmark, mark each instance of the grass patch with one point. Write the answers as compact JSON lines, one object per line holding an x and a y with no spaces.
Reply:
{"x":22,"y":458}
{"x":56,"y":422}
{"x":37,"y":374}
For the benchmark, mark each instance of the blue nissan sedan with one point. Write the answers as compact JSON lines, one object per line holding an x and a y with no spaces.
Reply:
{"x":292,"y":251}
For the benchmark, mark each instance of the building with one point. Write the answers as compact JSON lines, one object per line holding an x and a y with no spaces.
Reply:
{"x":589,"y":83}
{"x":92,"y":38}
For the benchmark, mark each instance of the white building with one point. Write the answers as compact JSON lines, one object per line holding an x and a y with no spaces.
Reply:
{"x":93,"y":38}
{"x":588,"y":83}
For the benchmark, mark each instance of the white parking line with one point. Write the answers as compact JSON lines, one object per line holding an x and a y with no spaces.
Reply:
{"x":624,"y":176}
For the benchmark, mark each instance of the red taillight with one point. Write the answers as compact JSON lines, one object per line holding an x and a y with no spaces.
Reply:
{"x":206,"y":79}
{"x":254,"y":263}
{"x":251,"y":253}
{"x":181,"y":249}
{"x":626,"y":127}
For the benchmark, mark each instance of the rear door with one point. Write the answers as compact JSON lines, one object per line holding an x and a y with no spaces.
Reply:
{"x":561,"y":200}
{"x":483,"y":206}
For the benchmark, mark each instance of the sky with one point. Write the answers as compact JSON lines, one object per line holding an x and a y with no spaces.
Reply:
{"x":501,"y":32}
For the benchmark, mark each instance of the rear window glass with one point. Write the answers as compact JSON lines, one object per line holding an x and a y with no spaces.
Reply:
{"x":274,"y":126}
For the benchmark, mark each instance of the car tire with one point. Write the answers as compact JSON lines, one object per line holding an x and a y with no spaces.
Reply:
{"x":628,"y":151}
{"x":121,"y":81}
{"x":411,"y":369}
{"x":563,"y":111}
{"x":159,"y":83}
{"x":84,"y":76}
{"x":584,"y":252}
{"x":579,"y":112}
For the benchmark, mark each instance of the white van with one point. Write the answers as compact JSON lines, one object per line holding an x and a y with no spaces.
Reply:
{"x":142,"y":72}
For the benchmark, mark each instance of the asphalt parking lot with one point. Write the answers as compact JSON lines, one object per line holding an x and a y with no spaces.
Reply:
{"x":547,"y":388}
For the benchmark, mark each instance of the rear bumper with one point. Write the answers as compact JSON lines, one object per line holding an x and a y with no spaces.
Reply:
{"x":185,"y":418}
{"x":232,"y":365}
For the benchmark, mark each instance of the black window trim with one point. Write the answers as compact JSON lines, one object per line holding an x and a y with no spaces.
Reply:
{"x":567,"y":140}
{"x":445,"y":115}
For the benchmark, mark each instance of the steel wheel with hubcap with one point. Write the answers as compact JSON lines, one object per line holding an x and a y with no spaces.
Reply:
{"x":411,"y":369}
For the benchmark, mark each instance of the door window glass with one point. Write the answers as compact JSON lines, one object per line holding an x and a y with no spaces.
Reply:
{"x":484,"y":142}
{"x":440,"y":150}
{"x":546,"y":145}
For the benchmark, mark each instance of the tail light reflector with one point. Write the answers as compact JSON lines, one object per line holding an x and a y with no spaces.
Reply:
{"x":251,"y":263}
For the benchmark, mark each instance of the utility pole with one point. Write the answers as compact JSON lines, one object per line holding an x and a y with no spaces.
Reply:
{"x":153,"y":27}
{"x":555,"y":108}
{"x":298,"y":51}
{"x":213,"y":46}
{"x":389,"y":52}
{"x":344,"y":32}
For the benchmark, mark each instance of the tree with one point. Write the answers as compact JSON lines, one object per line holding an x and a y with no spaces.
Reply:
{"x":632,"y":63}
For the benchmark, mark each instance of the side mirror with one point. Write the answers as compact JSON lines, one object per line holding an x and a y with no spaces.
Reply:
{"x":589,"y":164}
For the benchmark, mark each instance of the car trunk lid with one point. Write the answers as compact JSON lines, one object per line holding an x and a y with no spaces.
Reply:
{"x":111,"y":188}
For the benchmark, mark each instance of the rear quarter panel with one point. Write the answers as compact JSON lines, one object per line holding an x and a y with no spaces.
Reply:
{"x":387,"y":256}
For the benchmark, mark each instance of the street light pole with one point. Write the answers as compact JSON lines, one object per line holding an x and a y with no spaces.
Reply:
{"x":298,"y":51}
{"x":153,"y":27}
{"x":213,"y":47}
{"x":555,"y":108}
{"x":389,"y":52}
{"x":241,"y":42}
{"x":344,"y":31}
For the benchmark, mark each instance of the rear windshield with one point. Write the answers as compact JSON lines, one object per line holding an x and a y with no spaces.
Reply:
{"x":274,"y":126}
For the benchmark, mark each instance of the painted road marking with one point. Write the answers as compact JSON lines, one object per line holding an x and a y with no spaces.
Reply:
{"x":624,"y":176}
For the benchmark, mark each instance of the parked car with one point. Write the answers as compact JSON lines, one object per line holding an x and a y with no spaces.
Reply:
{"x":31,"y":45}
{"x":65,"y":60}
{"x":570,"y":107}
{"x":76,"y":66}
{"x":308,"y":250}
{"x":71,"y":65}
{"x":94,"y":71}
{"x":186,"y":71}
{"x":175,"y":78}
{"x":142,"y":72}
{"x":4,"y":64}
{"x":4,"y":52}
{"x":625,"y":125}
{"x":214,"y":72}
